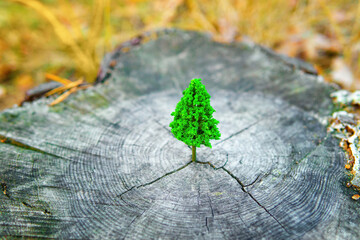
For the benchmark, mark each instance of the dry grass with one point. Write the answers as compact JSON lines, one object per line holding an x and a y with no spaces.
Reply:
{"x":69,"y":38}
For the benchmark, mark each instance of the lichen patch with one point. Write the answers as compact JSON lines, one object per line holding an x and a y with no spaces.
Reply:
{"x":345,"y":125}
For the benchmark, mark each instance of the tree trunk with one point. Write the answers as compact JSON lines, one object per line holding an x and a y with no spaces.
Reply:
{"x":193,"y":153}
{"x":105,"y":165}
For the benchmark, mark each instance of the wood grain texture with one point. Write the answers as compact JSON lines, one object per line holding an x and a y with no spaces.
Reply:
{"x":104,"y":164}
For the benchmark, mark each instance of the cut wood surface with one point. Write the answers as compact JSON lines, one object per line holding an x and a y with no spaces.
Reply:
{"x":104,"y":164}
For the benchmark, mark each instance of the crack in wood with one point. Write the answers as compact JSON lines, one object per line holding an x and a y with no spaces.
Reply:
{"x":26,"y":204}
{"x":14,"y":142}
{"x":234,"y":177}
{"x":4,"y":189}
{"x":24,"y":236}
{"x":212,"y":213}
{"x":252,"y":197}
{"x":244,"y":190}
{"x":212,"y":210}
{"x":155,"y":180}
{"x":132,"y":221}
{"x":168,"y":130}
{"x":161,"y":125}
{"x":268,"y":173}
{"x":237,"y":133}
{"x":265,"y":117}
{"x":86,"y":152}
{"x":123,"y":181}
{"x":267,"y":211}
{"x":248,"y":185}
{"x":313,"y":150}
{"x":306,"y":156}
{"x":210,"y":164}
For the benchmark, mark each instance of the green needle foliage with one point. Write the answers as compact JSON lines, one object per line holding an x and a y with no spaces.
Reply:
{"x":193,"y":121}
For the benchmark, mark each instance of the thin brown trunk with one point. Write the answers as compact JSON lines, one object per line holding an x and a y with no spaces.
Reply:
{"x":193,"y":153}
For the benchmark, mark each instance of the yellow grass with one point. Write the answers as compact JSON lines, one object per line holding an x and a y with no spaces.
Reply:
{"x":84,"y":57}
{"x":77,"y":34}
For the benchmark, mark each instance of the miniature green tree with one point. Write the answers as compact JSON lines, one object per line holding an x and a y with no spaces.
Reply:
{"x":193,"y":121}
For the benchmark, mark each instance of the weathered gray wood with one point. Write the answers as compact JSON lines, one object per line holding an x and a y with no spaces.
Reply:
{"x":105,"y":165}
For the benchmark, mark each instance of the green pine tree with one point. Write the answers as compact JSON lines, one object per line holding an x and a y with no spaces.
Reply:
{"x":193,"y":121}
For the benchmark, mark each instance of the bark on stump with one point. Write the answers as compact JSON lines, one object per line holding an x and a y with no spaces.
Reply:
{"x":104,"y":164}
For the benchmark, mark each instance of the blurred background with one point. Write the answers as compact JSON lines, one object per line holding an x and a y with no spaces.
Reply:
{"x":69,"y":38}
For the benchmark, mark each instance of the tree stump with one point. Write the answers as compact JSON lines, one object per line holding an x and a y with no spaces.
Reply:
{"x":104,"y":164}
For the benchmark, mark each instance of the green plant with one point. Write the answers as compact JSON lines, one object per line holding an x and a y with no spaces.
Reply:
{"x":193,"y":121}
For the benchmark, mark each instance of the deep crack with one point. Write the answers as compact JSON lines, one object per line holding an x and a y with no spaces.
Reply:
{"x":157,"y":179}
{"x":208,"y":163}
{"x":212,"y":165}
{"x":234,"y":177}
{"x":248,"y":185}
{"x":212,"y":210}
{"x":252,"y":197}
{"x":215,"y":168}
{"x":244,"y":190}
